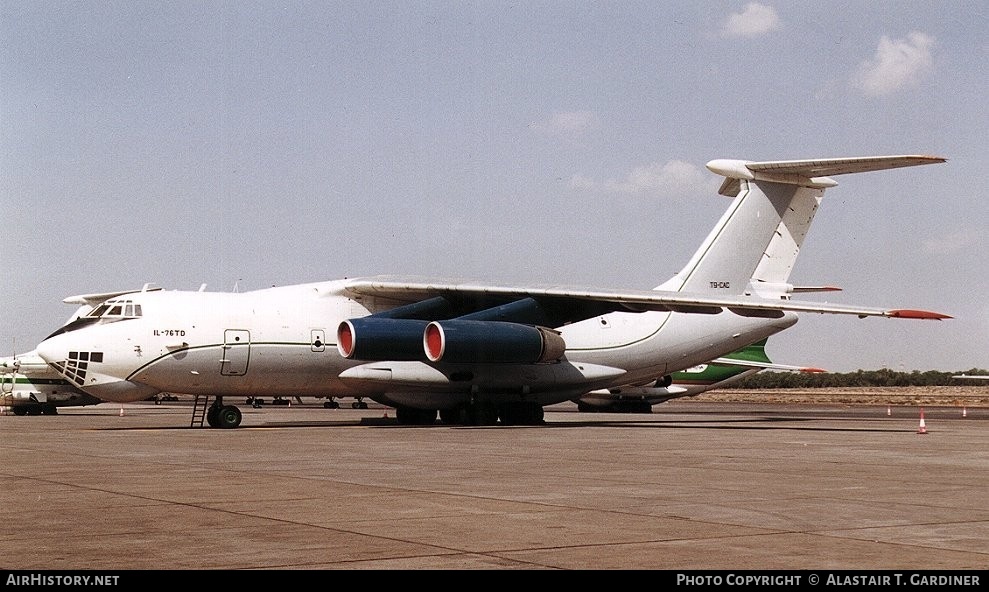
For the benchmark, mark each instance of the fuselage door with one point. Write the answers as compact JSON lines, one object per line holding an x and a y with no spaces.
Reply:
{"x":236,"y":352}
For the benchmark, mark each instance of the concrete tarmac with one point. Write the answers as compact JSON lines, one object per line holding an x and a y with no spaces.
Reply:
{"x":692,"y":486}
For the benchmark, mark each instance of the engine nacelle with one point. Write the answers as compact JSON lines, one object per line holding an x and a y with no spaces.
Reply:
{"x":376,"y":339}
{"x":491,"y":342}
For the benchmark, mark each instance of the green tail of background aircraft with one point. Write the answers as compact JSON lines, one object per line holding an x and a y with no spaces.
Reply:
{"x":717,"y":373}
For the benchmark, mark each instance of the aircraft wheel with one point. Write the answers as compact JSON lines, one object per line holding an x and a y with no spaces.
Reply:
{"x":510,"y":414}
{"x":34,"y":410}
{"x":212,"y":415}
{"x":482,"y":414}
{"x":228,"y":417}
{"x":49,"y":410}
{"x":586,"y":408}
{"x":521,"y":414}
{"x":404,"y":415}
{"x":412,"y":416}
{"x":20,"y":411}
{"x":361,"y":405}
{"x":331,"y":405}
{"x":452,"y":416}
{"x":536,"y":414}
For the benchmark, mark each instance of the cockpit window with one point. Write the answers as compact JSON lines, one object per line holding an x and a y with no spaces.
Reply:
{"x":110,"y":311}
{"x":98,"y":311}
{"x":116,"y":309}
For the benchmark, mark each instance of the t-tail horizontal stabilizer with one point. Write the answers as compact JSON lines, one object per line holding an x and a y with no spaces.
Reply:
{"x":808,"y":173}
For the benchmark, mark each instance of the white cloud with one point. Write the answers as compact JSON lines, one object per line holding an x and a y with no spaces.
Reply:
{"x":754,"y":20}
{"x":568,"y":123}
{"x":672,"y":178}
{"x":951,"y":243}
{"x":897,"y":63}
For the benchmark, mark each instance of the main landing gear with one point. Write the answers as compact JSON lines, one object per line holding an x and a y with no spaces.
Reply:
{"x":480,"y":413}
{"x":35,"y":409}
{"x":216,"y":414}
{"x":332,"y":403}
{"x":223,"y":416}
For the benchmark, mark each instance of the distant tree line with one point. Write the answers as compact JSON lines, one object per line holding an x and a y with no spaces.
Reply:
{"x":861,"y":378}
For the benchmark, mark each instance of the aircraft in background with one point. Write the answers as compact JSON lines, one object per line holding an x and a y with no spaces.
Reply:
{"x":29,"y":386}
{"x":473,"y":353}
{"x":718,"y":373}
{"x":972,"y":376}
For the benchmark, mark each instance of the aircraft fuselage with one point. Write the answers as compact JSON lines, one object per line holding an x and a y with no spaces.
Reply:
{"x":282,"y":342}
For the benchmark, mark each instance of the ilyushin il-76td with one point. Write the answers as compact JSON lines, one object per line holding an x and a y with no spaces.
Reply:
{"x":470,"y":352}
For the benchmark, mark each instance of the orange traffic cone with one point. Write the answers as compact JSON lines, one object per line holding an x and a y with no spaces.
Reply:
{"x":923,"y":428}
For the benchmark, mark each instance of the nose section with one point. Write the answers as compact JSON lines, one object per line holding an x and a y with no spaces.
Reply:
{"x":53,"y":349}
{"x":91,"y":368}
{"x":62,"y":353}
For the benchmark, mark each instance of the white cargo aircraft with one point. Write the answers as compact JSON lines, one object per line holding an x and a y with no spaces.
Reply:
{"x":473,"y":352}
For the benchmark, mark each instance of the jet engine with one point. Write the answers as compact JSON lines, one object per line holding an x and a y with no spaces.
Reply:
{"x":375,"y":339}
{"x":491,"y":342}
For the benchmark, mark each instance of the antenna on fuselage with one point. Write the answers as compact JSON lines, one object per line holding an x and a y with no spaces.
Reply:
{"x":202,"y":288}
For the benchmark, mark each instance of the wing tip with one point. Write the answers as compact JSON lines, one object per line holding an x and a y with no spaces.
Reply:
{"x":909,"y":313}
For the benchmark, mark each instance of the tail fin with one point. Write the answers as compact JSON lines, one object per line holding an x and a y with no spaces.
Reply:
{"x":755,"y":352}
{"x":757,"y":240}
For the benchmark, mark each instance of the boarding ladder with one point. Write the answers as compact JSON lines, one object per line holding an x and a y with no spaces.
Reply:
{"x":199,"y":414}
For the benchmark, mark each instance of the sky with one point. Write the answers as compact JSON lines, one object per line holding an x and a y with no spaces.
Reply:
{"x":245,"y":144}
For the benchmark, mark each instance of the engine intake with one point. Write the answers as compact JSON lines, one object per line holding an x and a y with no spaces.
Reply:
{"x":376,"y":339}
{"x":491,"y":342}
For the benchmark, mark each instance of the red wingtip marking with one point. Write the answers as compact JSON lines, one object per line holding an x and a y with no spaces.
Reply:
{"x":813,"y":370}
{"x":917,"y":314}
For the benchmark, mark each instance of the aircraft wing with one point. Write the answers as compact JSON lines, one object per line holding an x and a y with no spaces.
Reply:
{"x":409,"y":290}
{"x":971,"y":376}
{"x":763,"y":365}
{"x":28,"y":363}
